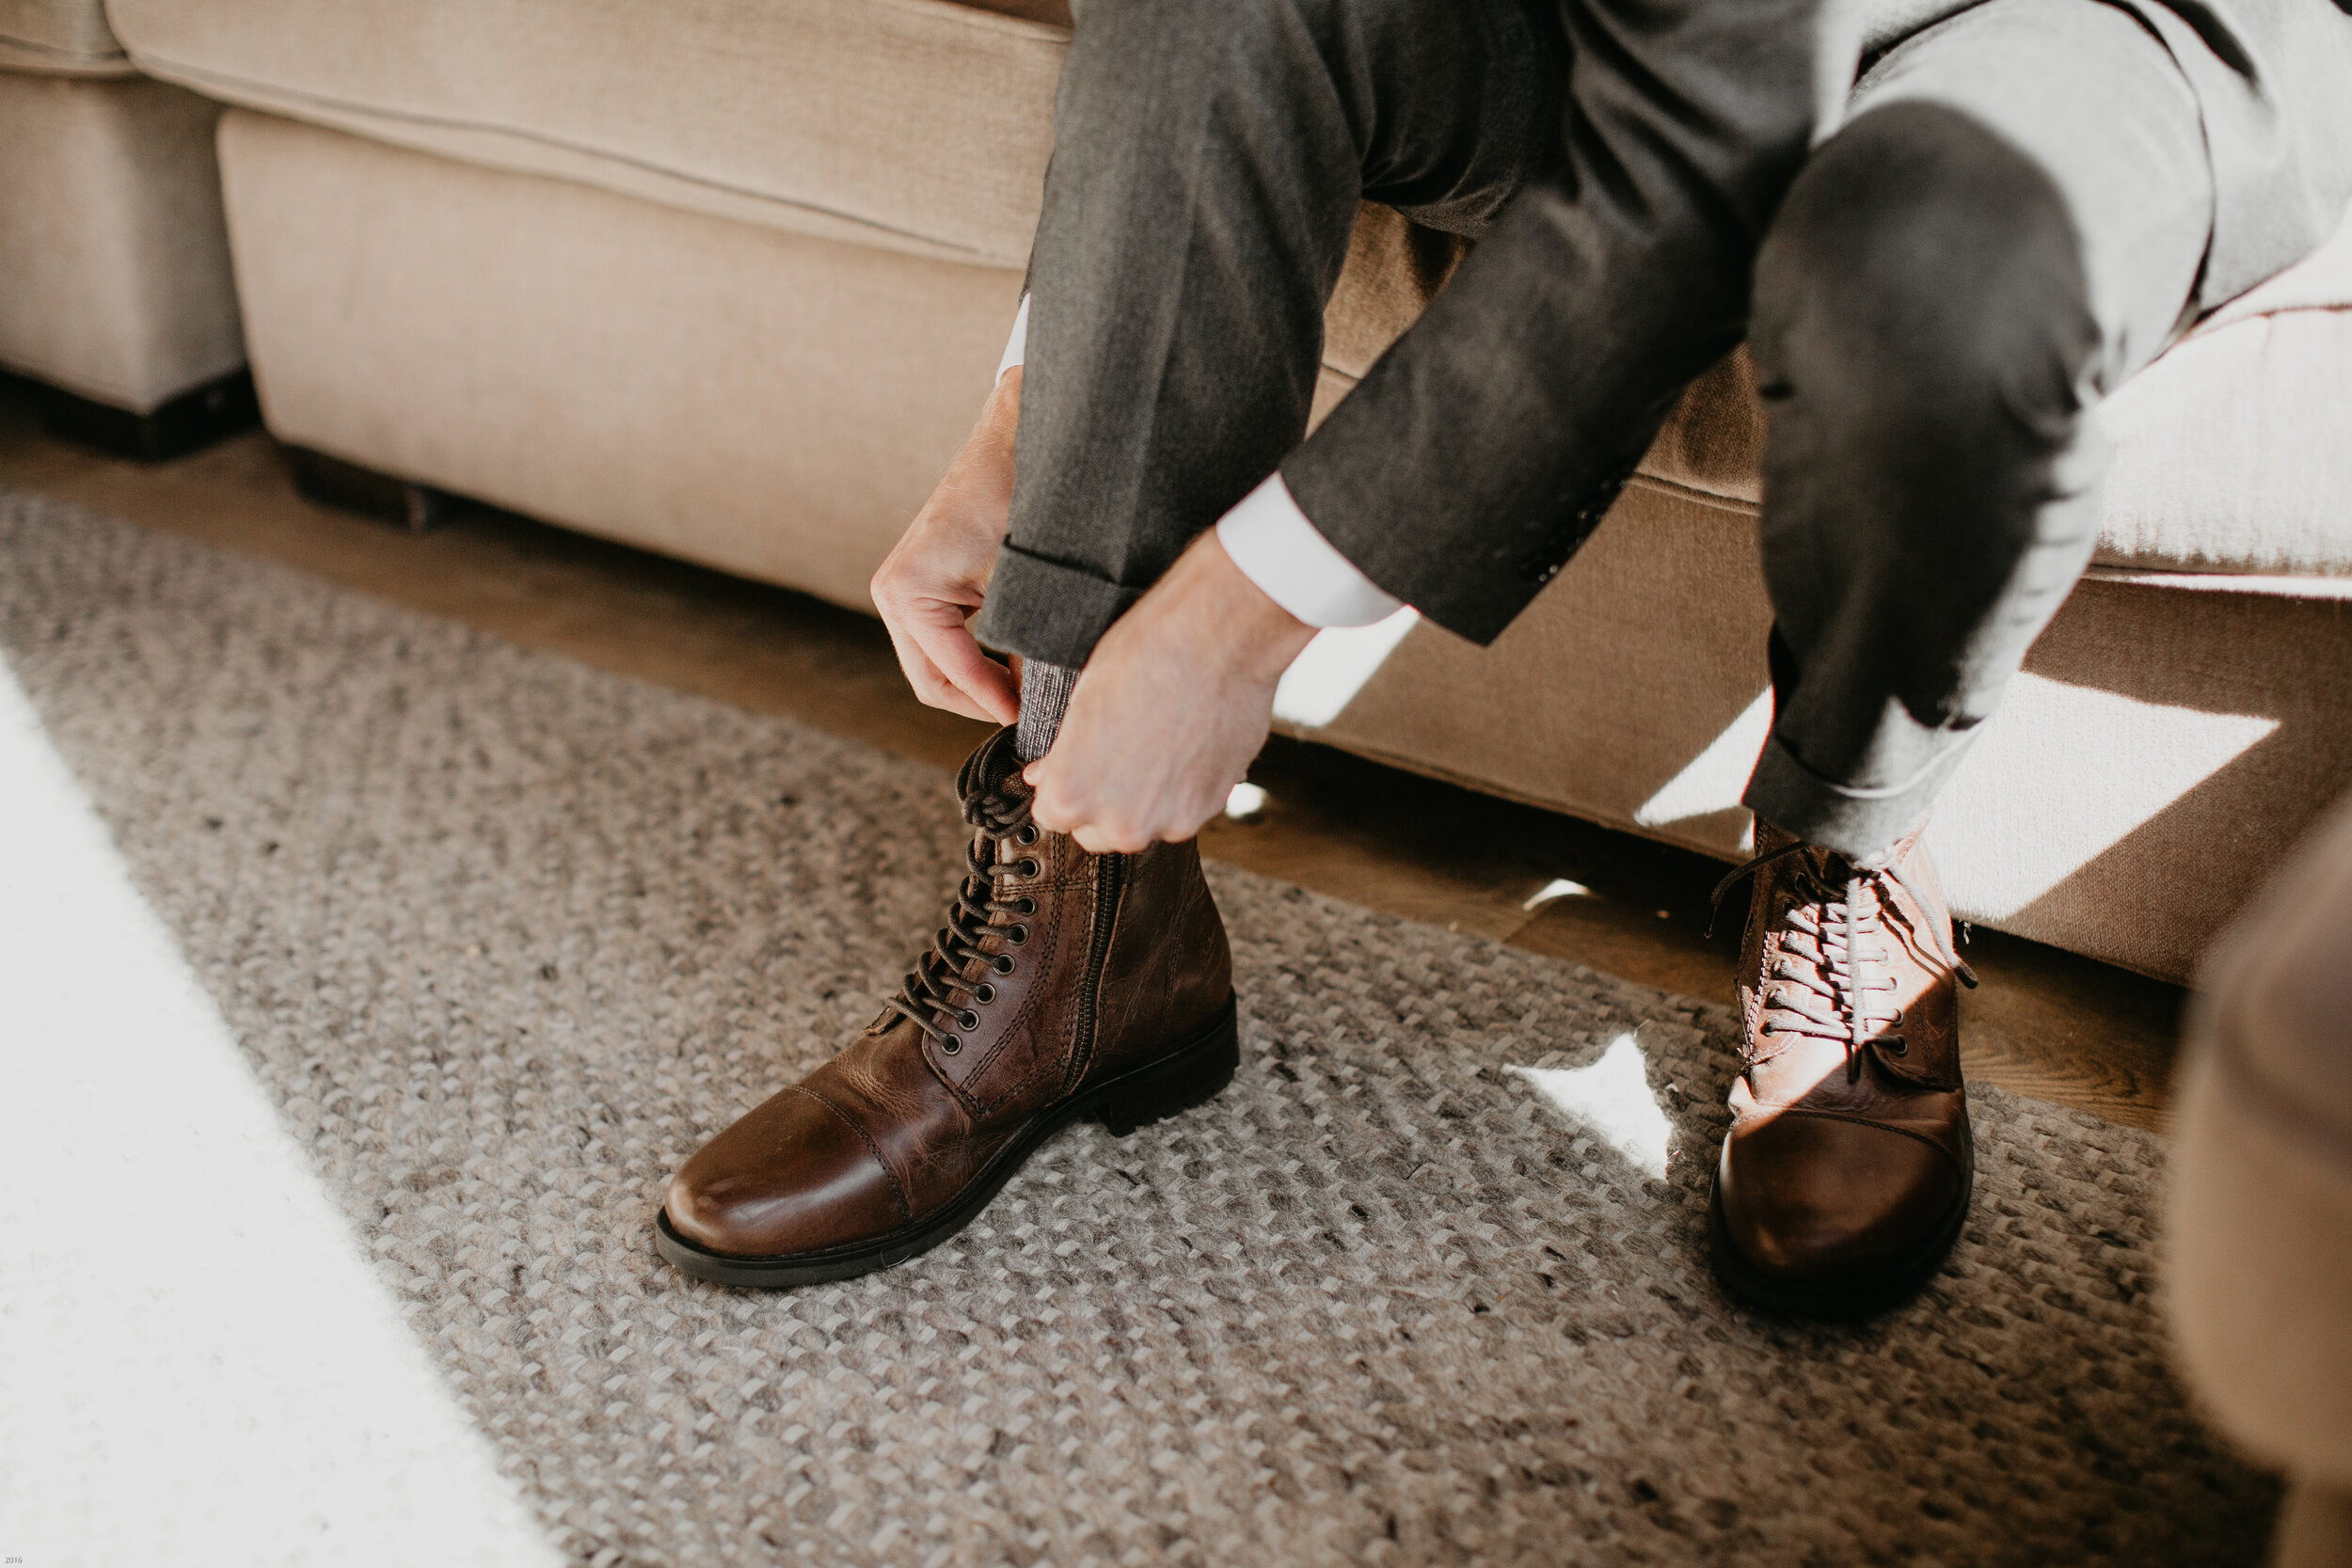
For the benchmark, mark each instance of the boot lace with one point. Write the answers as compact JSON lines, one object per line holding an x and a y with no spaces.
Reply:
{"x":927,"y":996}
{"x":1829,"y":972}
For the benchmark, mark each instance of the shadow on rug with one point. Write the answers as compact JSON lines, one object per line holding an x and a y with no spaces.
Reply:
{"x":506,"y":939}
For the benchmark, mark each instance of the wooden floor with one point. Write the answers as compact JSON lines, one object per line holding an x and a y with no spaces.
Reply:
{"x":2045,"y":1022}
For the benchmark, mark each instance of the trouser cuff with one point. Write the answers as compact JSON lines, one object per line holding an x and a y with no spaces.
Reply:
{"x":1860,"y":824}
{"x":1046,"y":610}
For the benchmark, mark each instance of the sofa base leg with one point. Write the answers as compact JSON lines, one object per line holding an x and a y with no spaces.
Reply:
{"x":196,"y":418}
{"x":349,"y":487}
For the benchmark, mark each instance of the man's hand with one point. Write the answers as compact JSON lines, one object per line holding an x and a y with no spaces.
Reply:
{"x":937,"y":574}
{"x":1170,"y":709}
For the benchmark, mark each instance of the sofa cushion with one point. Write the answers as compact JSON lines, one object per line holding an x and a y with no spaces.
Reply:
{"x":918,"y":125}
{"x":2231,"y":453}
{"x":59,"y":37}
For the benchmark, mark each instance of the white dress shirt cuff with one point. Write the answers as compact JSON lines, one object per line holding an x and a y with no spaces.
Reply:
{"x":1017,"y":347}
{"x":1270,"y":539}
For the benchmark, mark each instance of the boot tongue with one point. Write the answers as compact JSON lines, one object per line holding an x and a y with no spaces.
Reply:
{"x":1836,"y":869}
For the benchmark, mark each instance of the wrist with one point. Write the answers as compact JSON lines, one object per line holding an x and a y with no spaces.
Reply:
{"x":1255,"y":636}
{"x":1000,"y":415}
{"x":975,"y":493}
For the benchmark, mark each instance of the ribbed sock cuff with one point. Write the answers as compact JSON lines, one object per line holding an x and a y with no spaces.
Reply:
{"x":1045,"y":698}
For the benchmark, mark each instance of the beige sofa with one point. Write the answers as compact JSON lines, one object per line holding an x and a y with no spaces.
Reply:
{"x":115,"y":287}
{"x":2259,"y":1287}
{"x":731,"y":283}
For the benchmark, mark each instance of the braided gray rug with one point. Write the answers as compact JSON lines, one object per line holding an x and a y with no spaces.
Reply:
{"x":506,"y":938}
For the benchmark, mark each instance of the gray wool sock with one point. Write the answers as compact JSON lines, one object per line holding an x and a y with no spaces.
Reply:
{"x":1045,"y":698}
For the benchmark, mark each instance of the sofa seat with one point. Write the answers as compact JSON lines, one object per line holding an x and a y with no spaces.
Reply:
{"x":910,"y":125}
{"x":61,"y":37}
{"x":769,"y":402}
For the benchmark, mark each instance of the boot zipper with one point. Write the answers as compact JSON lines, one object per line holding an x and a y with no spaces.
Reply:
{"x":1110,"y":880}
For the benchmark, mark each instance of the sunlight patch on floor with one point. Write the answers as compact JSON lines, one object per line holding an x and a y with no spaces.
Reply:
{"x":1611,"y":1099}
{"x":1553,"y":891}
{"x":196,"y":1366}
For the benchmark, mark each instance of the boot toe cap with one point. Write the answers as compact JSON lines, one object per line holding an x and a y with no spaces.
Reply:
{"x":793,"y":1177}
{"x":1809,"y":1197}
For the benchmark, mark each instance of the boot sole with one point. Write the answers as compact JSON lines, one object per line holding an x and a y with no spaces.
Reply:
{"x":1835,"y":1298}
{"x":1195,"y":1073}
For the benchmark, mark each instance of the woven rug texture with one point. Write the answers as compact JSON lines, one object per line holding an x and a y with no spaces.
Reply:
{"x":505,"y":939}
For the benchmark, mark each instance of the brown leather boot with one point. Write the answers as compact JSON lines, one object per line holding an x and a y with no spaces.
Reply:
{"x":1846,"y":1172}
{"x":1064,"y":985}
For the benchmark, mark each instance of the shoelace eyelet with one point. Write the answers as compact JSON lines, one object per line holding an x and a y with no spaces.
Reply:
{"x":1027,"y":835}
{"x":1026,"y":906}
{"x":1028,"y":868}
{"x":948,"y":1048}
{"x":1002,"y":963}
{"x":967,"y":1020}
{"x":1016,"y":934}
{"x":983,"y":993}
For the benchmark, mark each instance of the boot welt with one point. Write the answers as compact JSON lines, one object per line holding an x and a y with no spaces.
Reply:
{"x":1196,"y":1071}
{"x":1836,"y":1298}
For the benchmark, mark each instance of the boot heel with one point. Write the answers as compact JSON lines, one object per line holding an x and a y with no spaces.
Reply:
{"x":1194,"y":1075}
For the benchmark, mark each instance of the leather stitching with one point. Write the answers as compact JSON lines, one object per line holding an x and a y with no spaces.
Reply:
{"x":1026,"y":1016}
{"x":1043,"y":946}
{"x":896,"y":1189}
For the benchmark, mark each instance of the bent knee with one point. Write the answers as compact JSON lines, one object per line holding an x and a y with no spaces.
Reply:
{"x":1930,"y":272}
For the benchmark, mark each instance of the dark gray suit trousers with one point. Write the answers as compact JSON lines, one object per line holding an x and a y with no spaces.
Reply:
{"x":1945,"y":228}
